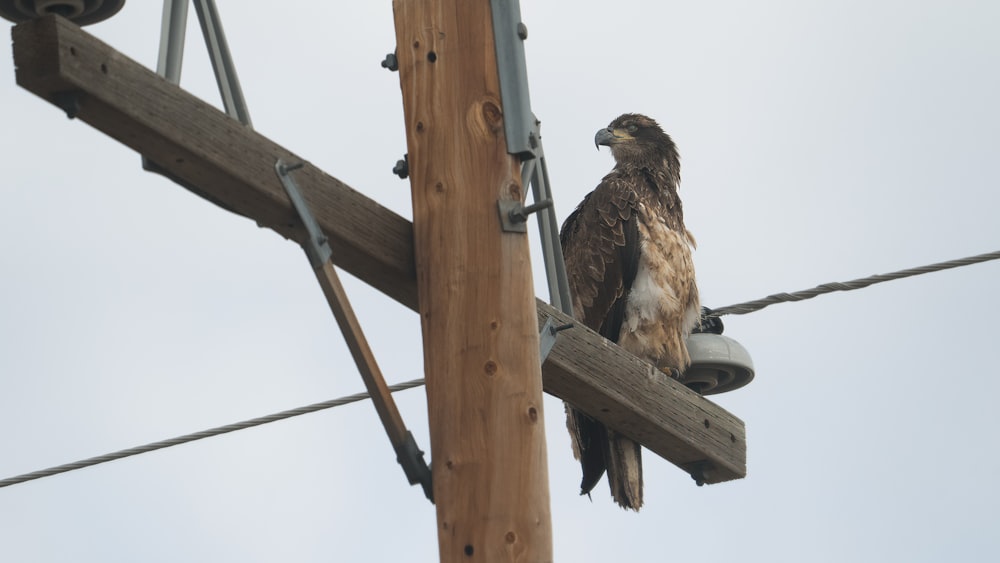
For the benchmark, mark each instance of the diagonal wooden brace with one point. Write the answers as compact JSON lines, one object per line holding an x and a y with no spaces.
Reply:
{"x":318,"y":250}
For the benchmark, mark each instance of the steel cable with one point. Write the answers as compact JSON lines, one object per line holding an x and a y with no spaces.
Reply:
{"x":756,"y":305}
{"x":200,"y":435}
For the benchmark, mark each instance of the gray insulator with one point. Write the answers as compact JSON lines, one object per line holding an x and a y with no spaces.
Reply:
{"x":80,"y":12}
{"x":718,"y":364}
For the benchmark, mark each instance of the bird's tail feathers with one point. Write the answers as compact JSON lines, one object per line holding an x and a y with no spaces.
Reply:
{"x":588,"y":437}
{"x":624,"y":466}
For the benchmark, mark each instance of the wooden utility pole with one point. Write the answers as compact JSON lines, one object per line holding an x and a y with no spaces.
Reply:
{"x":476,"y":297}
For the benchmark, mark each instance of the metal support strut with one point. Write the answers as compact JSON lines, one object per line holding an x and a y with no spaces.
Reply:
{"x":171,"y":59}
{"x":318,"y":250}
{"x":524,"y":139}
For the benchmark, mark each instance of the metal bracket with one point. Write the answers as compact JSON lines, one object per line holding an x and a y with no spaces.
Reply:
{"x":514,"y":215}
{"x":317,"y":247}
{"x":412,"y":459}
{"x":509,"y":34}
{"x":524,"y":139}
{"x":547,"y":337}
{"x":535,"y":172}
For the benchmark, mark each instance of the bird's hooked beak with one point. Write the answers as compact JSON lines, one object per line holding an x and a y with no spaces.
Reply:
{"x":609,"y":136}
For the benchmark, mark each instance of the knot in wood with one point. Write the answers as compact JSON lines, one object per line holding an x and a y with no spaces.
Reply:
{"x":512,"y":191}
{"x":492,"y":116}
{"x":484,"y":118}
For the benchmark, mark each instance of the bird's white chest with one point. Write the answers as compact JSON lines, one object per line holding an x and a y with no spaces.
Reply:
{"x":653,"y":296}
{"x":662,"y":304}
{"x":665,"y":275}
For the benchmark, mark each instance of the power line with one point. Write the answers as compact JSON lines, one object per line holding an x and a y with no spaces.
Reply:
{"x":199,"y":435}
{"x":738,"y":309}
{"x":751,"y":306}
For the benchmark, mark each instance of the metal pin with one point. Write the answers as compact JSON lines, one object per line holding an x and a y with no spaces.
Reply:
{"x":547,"y":338}
{"x":290,"y":167}
{"x":520,"y":213}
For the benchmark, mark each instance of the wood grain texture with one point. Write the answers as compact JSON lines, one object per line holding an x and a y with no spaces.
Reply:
{"x":634,"y":398}
{"x":476,"y":295}
{"x":208,"y":152}
{"x":341,"y":308}
{"x":215,"y":156}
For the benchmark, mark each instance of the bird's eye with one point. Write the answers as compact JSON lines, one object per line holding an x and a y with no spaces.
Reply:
{"x":631,"y":128}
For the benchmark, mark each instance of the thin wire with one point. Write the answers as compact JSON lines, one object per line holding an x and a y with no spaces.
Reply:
{"x":738,"y":309}
{"x":751,"y":306}
{"x":199,"y":435}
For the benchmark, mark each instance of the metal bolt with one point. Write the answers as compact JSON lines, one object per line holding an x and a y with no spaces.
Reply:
{"x":522,"y":31}
{"x":402,"y":168}
{"x":556,"y":329}
{"x":698,"y":473}
{"x":391,"y":62}
{"x":289,"y":167}
{"x":69,"y":102}
{"x":520,"y":214}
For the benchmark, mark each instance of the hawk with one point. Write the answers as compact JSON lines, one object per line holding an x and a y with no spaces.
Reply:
{"x":629,"y":266}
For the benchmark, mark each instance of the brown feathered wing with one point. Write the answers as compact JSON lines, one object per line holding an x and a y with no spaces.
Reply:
{"x":601,"y":247}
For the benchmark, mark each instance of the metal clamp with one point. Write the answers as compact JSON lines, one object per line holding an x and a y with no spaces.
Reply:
{"x":412,"y":459}
{"x":317,"y":246}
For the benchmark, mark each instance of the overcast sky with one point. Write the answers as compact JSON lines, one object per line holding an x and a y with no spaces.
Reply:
{"x":820,"y":141}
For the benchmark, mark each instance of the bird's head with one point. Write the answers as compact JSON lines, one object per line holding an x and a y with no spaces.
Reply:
{"x":638,"y":140}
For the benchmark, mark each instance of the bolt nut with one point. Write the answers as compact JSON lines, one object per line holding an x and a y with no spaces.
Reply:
{"x":522,"y":31}
{"x":402,"y":168}
{"x":391,"y":62}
